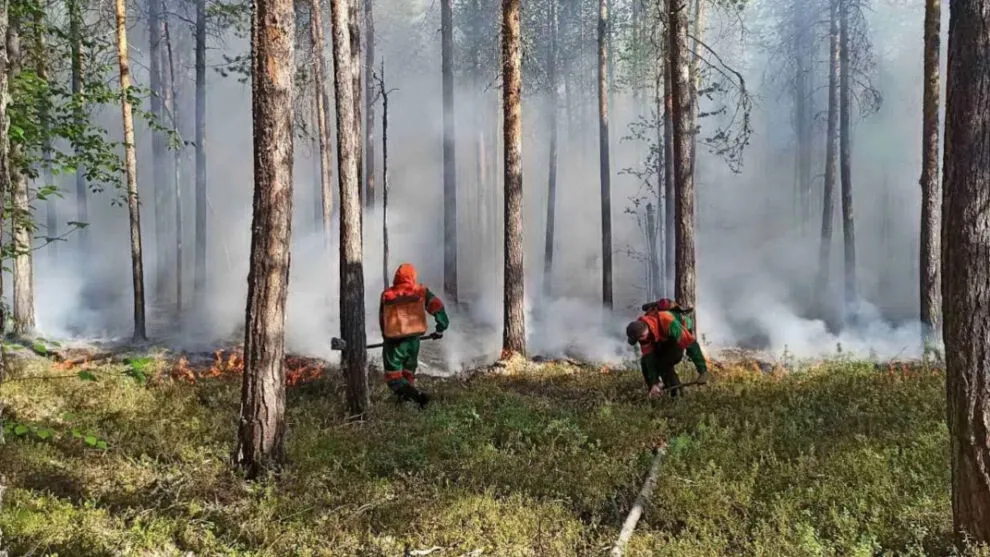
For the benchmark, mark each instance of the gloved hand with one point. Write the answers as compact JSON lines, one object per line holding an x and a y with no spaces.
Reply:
{"x":441,"y":328}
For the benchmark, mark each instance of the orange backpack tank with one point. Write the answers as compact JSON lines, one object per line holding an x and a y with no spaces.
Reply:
{"x":403,"y":314}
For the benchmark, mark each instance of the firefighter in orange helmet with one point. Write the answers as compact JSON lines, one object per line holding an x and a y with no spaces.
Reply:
{"x":402,"y":317}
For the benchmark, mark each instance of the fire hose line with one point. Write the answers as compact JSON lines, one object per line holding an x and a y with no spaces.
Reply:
{"x":637,"y":510}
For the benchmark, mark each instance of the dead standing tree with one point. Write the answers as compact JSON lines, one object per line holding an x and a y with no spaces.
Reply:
{"x":261,"y":428}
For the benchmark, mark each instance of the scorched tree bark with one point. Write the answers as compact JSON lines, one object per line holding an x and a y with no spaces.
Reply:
{"x":966,"y":275}
{"x":355,"y":355}
{"x":449,"y":162}
{"x":261,"y":429}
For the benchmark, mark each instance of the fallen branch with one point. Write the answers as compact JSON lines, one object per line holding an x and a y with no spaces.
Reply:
{"x":644,"y":494}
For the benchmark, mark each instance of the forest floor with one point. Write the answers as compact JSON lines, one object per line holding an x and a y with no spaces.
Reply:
{"x":130,"y":456}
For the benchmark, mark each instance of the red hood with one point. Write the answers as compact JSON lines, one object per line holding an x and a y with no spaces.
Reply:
{"x":405,"y":275}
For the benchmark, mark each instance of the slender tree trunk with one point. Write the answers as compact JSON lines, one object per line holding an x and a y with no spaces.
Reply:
{"x":130,"y":168}
{"x":47,"y":176}
{"x":322,"y":127}
{"x":653,"y":264}
{"x":552,"y":100}
{"x":662,"y":165}
{"x":669,"y":187}
{"x":386,"y":283}
{"x":604,"y":171}
{"x":931,"y":188}
{"x":514,"y":325}
{"x":76,"y":54}
{"x":21,"y":217}
{"x":171,"y":106}
{"x":355,"y":356}
{"x":699,"y":34}
{"x":845,"y":159}
{"x":354,"y":23}
{"x":5,"y":165}
{"x":199,"y":281}
{"x":824,"y":253}
{"x":683,"y":157}
{"x":261,"y":429}
{"x":449,"y":161}
{"x":804,"y":108}
{"x":159,"y":147}
{"x":966,"y":275}
{"x":369,"y":88}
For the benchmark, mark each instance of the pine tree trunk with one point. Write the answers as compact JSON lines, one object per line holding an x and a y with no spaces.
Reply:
{"x":669,"y":186}
{"x":354,"y":23}
{"x":680,"y":86}
{"x":653,"y":264}
{"x":44,"y":113}
{"x":5,"y":166}
{"x":931,"y":188}
{"x":369,"y":88}
{"x":552,"y":101}
{"x":825,"y":249}
{"x":449,"y":162}
{"x":604,"y":171}
{"x":385,"y":255}
{"x":845,"y":158}
{"x":199,"y":281}
{"x":804,"y":109}
{"x":130,"y":168}
{"x":355,"y":356}
{"x":261,"y":428}
{"x":966,"y":275}
{"x":699,"y":34}
{"x":322,"y":126}
{"x":514,"y":318}
{"x":171,"y":107}
{"x":159,"y":148}
{"x":76,"y":54}
{"x":662,"y":165}
{"x":21,"y":216}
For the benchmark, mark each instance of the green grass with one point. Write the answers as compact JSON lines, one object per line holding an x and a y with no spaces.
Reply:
{"x":843,"y":460}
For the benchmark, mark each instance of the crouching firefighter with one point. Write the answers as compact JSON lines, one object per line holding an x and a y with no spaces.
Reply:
{"x":664,"y":333}
{"x":402,"y":318}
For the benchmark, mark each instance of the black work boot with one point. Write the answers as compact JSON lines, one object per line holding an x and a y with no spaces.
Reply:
{"x":422,"y":399}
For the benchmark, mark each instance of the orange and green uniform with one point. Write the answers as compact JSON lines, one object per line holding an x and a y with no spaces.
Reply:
{"x":671,"y":335}
{"x":402,"y":318}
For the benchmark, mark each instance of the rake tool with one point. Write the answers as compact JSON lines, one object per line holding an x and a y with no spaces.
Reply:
{"x":340,"y":344}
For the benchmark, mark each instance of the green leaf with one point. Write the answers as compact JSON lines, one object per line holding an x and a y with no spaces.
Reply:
{"x":91,"y":440}
{"x":44,"y":433}
{"x":101,"y":444}
{"x":20,"y":429}
{"x":76,"y":434}
{"x":86,"y":376}
{"x":40,"y":349}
